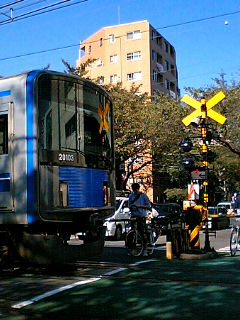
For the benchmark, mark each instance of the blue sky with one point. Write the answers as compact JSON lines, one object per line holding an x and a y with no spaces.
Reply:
{"x":204,"y":49}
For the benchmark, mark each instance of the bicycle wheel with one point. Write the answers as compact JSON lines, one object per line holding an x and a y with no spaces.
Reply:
{"x":134,"y":243}
{"x":151,"y":244}
{"x":234,"y":241}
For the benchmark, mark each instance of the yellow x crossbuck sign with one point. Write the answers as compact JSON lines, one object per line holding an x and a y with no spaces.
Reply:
{"x":103,"y":114}
{"x":209,"y":105}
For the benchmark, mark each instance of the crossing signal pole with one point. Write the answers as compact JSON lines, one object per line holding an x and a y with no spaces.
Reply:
{"x":204,"y":110}
{"x":204,"y":153}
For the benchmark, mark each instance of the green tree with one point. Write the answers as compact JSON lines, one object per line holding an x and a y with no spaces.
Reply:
{"x":146,"y":132}
{"x":81,"y":70}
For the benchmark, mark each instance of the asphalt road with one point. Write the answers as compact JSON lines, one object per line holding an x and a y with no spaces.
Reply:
{"x":117,"y":286}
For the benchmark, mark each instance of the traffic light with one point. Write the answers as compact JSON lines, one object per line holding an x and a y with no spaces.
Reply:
{"x":186,"y":145}
{"x":187,"y":163}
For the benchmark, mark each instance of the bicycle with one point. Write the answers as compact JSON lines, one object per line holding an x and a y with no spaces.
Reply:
{"x":235,"y":236}
{"x":134,"y":238}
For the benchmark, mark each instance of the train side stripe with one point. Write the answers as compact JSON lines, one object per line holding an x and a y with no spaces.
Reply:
{"x":5,"y":93}
{"x":30,"y":145}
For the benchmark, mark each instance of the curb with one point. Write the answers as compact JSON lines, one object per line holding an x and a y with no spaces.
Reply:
{"x":199,"y":256}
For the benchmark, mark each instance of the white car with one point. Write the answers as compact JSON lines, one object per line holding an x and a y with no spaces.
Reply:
{"x":223,"y":208}
{"x":116,"y":223}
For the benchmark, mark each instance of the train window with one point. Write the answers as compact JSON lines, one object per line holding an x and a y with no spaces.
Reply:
{"x":68,"y":116}
{"x":48,"y":114}
{"x":3,"y":134}
{"x":97,"y":134}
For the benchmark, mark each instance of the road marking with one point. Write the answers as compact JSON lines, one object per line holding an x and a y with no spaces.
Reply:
{"x":142,"y":261}
{"x":113,"y":272}
{"x":73,"y":285}
{"x":225,"y":249}
{"x":53,"y":292}
{"x":64,"y":288}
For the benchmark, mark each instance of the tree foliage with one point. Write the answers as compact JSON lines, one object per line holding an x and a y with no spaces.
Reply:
{"x":146,"y":132}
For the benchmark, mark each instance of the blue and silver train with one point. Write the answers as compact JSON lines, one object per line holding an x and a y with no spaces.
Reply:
{"x":56,"y":165}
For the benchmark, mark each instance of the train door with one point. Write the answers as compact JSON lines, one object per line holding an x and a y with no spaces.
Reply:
{"x":6,"y":157}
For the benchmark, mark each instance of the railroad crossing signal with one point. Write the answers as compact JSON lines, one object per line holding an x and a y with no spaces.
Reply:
{"x":103,"y":114}
{"x":203,"y":112}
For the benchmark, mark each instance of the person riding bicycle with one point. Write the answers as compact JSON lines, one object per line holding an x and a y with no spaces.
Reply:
{"x":235,"y":204}
{"x":139,"y":204}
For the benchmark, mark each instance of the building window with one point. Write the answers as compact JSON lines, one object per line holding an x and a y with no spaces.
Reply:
{"x":134,"y":55}
{"x":111,"y":38}
{"x":156,"y":76}
{"x":113,"y":59}
{"x":99,"y":63}
{"x":135,"y":35}
{"x":172,"y":86}
{"x":166,"y":47}
{"x":172,"y":51}
{"x":154,"y":55}
{"x":100,"y":42}
{"x":89,"y":49}
{"x":159,"y":58}
{"x":166,"y":65}
{"x":167,"y":84}
{"x":153,"y":35}
{"x":113,"y":78}
{"x":101,"y":80}
{"x":134,"y":76}
{"x":159,"y":39}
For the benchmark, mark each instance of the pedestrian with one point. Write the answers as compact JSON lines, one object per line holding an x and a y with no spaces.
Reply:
{"x":236,"y":203}
{"x":139,"y":204}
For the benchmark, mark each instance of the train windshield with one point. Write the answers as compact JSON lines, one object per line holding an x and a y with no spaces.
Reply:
{"x":75,"y":123}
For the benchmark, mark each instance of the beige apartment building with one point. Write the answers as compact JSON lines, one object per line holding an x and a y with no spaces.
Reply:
{"x":132,"y":53}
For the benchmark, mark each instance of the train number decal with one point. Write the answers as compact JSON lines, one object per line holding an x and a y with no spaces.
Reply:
{"x":66,"y":157}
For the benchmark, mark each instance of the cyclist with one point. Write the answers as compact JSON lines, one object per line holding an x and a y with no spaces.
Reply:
{"x":139,"y":205}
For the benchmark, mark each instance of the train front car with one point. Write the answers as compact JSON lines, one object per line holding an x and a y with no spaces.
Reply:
{"x":56,"y":165}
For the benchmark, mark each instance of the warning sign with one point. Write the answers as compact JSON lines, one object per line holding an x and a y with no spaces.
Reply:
{"x":193,"y":191}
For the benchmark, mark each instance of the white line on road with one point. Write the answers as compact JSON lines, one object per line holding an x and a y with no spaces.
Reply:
{"x":53,"y":292}
{"x":64,"y":288}
{"x":225,"y":249}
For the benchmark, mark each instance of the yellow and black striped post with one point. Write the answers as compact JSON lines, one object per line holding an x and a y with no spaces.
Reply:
{"x":193,"y":223}
{"x":204,"y":152}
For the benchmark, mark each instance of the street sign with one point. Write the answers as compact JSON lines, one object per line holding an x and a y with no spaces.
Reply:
{"x":198,"y":175}
{"x":200,"y":113}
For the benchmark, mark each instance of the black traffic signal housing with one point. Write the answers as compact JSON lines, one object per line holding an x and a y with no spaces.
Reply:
{"x":187,"y":163}
{"x":186,"y":145}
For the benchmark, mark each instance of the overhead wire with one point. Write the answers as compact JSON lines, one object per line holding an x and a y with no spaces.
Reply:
{"x":36,"y":12}
{"x":90,"y":42}
{"x":41,"y":10}
{"x":26,"y":5}
{"x":10,"y":4}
